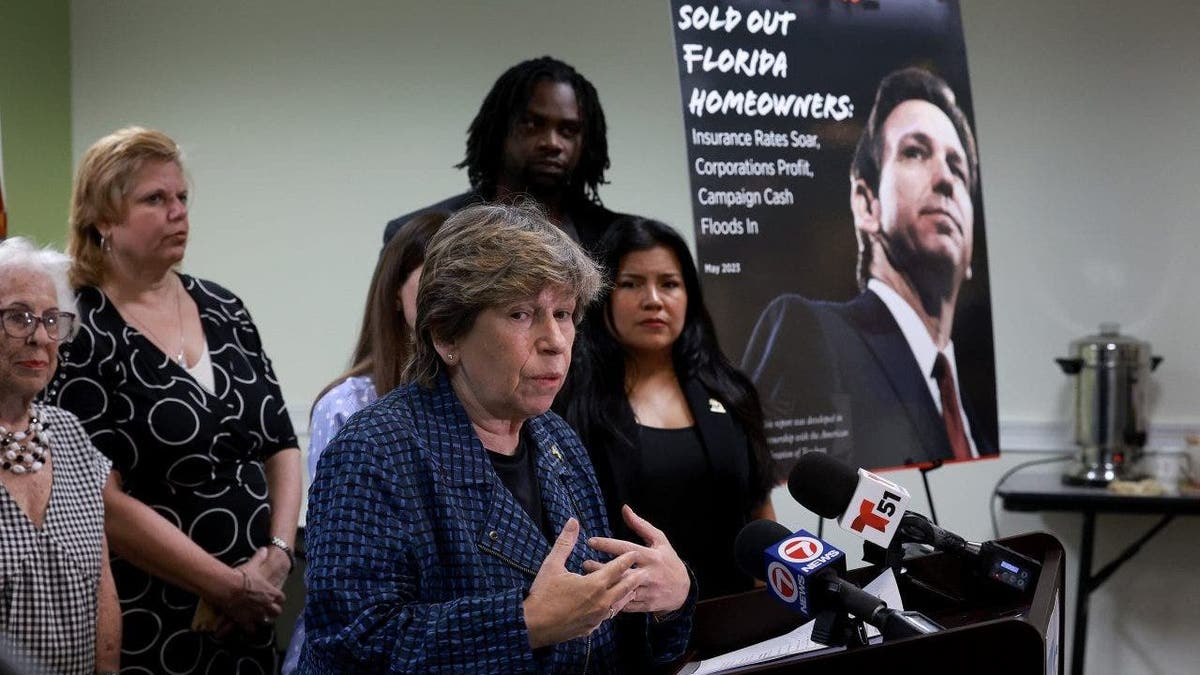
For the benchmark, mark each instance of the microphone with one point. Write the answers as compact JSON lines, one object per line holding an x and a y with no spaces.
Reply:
{"x":862,"y":503}
{"x":801,"y":572}
{"x":791,"y":564}
{"x":997,"y":562}
{"x":874,"y":509}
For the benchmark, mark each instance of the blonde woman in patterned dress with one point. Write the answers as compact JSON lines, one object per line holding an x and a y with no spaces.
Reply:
{"x":58,"y":605}
{"x":171,"y":381}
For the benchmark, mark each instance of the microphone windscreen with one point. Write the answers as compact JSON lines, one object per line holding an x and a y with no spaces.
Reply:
{"x":750,"y":543}
{"x":822,"y":484}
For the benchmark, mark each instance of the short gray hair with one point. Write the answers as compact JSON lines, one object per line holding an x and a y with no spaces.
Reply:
{"x":485,"y":256}
{"x":20,"y":254}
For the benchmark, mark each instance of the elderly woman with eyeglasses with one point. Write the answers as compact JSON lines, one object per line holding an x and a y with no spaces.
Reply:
{"x":58,"y":604}
{"x":171,"y":381}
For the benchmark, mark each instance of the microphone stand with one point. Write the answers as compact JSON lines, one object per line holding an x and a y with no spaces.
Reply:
{"x":836,"y":628}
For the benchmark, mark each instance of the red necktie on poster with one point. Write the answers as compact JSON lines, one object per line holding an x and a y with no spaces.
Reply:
{"x":951,"y":414}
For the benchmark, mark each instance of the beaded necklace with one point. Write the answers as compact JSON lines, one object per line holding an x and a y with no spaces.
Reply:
{"x":25,"y":451}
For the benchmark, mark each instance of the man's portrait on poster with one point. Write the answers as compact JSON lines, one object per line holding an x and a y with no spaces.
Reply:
{"x":878,"y":374}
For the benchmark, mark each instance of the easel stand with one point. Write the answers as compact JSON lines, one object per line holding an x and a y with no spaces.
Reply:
{"x":937,"y":464}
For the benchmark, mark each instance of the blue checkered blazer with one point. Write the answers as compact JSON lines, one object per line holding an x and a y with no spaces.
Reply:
{"x":419,"y":558}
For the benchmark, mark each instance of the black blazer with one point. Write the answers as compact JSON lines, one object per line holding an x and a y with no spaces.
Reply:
{"x":721,"y":511}
{"x":809,"y":357}
{"x":589,"y":219}
{"x":725,"y":445}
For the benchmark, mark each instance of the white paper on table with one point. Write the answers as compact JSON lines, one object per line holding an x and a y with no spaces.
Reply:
{"x":794,"y":642}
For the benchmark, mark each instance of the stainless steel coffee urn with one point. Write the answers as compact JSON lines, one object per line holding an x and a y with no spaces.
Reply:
{"x":1110,"y":418}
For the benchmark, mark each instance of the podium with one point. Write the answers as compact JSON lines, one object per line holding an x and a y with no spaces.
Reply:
{"x":988,"y":630}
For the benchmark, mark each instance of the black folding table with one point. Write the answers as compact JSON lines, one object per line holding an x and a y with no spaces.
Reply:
{"x":1045,"y":492}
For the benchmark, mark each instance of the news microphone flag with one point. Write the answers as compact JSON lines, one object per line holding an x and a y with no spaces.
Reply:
{"x":794,"y":566}
{"x":875,"y":509}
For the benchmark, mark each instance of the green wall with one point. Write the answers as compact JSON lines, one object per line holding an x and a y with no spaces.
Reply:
{"x":35,"y":116}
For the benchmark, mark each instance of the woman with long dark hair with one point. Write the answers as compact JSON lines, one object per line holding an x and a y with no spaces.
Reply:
{"x":384,"y":341}
{"x":673,"y":429}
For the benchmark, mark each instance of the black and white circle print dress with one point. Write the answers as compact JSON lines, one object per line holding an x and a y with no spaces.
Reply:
{"x":195,"y":456}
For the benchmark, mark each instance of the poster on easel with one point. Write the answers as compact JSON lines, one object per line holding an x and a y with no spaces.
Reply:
{"x":838,"y":217}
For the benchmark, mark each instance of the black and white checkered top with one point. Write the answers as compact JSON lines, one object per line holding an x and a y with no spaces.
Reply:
{"x":49,"y":576}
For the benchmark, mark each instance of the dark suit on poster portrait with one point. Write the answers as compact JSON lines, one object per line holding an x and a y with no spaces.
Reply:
{"x":914,"y":198}
{"x":812,"y":357}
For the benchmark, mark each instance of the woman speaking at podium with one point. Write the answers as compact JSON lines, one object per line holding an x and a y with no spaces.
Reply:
{"x":455,"y":524}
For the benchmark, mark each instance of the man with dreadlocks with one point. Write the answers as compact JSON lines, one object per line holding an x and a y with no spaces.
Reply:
{"x":540,"y":133}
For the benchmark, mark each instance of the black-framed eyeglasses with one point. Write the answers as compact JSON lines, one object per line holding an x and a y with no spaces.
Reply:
{"x":21,"y":323}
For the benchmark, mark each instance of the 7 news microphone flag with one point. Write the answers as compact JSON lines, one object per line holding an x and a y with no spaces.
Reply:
{"x":802,"y":572}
